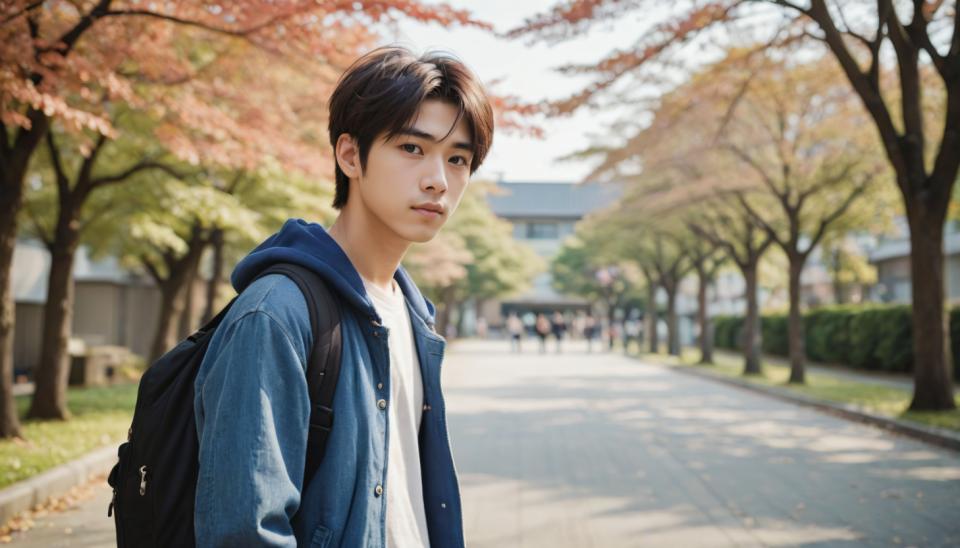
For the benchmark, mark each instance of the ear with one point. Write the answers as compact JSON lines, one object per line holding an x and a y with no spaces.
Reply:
{"x":348,"y":156}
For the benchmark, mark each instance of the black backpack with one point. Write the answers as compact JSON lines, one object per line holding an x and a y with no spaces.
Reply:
{"x":155,"y":480}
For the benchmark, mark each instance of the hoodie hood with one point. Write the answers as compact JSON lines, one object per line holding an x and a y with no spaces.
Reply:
{"x":309,"y":245}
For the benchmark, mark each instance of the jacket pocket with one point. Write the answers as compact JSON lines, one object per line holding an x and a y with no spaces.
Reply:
{"x":321,"y":537}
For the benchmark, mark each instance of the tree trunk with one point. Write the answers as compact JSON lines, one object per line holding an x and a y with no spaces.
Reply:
{"x":933,"y":384}
{"x":795,"y":322}
{"x":171,"y":306}
{"x":650,"y":318}
{"x":703,"y":318}
{"x":461,"y":314}
{"x":751,"y":322}
{"x":186,"y":321}
{"x":446,"y":306}
{"x":13,"y":170}
{"x":172,"y":295}
{"x":11,"y":199}
{"x":673,"y":326}
{"x":216,"y":277}
{"x":53,"y":371}
{"x":611,"y":318}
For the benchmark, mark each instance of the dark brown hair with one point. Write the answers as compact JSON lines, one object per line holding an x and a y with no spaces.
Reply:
{"x":381,"y":93}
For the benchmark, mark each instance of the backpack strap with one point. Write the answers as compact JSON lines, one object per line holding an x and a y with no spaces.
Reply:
{"x":323,"y":366}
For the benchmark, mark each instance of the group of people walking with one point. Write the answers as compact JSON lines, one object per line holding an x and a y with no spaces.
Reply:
{"x":556,"y":325}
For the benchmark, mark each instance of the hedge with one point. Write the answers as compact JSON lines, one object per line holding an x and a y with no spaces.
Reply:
{"x":871,"y":336}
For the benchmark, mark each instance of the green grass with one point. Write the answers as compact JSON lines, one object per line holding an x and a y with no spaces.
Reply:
{"x":883,"y":400}
{"x":101,"y":416}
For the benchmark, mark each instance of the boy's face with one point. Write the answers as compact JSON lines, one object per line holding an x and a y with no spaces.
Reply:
{"x":413,"y":182}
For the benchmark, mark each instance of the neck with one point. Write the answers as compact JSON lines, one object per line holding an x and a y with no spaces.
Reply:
{"x":374,"y":249}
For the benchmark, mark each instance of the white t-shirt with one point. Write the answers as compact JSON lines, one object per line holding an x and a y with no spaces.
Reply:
{"x":406,"y":519}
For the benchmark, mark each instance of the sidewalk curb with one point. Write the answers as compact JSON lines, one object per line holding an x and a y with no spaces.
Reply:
{"x":30,"y":492}
{"x":936,"y":436}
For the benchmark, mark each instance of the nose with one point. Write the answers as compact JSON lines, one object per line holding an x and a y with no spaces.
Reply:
{"x":435,"y":179}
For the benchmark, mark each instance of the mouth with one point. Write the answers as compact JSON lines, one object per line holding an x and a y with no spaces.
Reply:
{"x":429,"y":210}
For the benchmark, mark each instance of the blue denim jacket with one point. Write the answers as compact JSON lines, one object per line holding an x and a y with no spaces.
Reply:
{"x":252,"y":411}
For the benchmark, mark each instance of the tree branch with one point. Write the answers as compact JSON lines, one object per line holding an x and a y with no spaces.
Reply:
{"x":869,"y":94}
{"x":151,"y":269}
{"x":917,"y":29}
{"x":63,"y":183}
{"x":825,"y":182}
{"x":759,"y":220}
{"x":242,"y":33}
{"x":764,"y":176}
{"x":28,"y":8}
{"x":69,"y":39}
{"x":132,"y":170}
{"x":840,"y":210}
{"x":913,"y":142}
{"x":83,"y":177}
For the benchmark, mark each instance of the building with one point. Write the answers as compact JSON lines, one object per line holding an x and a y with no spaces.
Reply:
{"x":113,"y":305}
{"x":543,"y":215}
{"x":892,"y":259}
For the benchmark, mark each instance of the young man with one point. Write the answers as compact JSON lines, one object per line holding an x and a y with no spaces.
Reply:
{"x":407,"y":134}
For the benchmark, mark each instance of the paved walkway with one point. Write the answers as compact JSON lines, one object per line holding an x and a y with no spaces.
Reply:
{"x":581,"y":451}
{"x":578,"y":450}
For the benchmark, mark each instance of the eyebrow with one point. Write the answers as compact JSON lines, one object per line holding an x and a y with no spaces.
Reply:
{"x":414,"y":132}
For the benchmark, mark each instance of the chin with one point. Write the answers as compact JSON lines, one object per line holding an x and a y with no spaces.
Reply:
{"x":418,"y":234}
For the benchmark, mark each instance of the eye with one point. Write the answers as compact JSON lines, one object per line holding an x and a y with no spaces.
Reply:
{"x":459,"y":161}
{"x":411,"y":148}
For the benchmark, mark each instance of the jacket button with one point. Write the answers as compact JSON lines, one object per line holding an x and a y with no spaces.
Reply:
{"x":378,"y":490}
{"x":382,"y":404}
{"x":426,"y":407}
{"x":379,"y":386}
{"x":443,"y":505}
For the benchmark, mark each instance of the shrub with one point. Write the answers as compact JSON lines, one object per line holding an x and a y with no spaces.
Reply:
{"x":775,"y":334}
{"x":827,"y":334}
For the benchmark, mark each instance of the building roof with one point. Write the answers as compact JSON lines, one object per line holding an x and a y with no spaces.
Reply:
{"x":31,"y":268}
{"x":554,"y":200}
{"x":895,"y":248}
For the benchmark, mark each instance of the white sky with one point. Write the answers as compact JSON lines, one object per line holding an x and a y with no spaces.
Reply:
{"x":526,"y":71}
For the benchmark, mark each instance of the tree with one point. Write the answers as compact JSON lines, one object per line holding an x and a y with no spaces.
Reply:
{"x":925,"y":157}
{"x":791,"y":131}
{"x":69,"y":64}
{"x":706,"y":260}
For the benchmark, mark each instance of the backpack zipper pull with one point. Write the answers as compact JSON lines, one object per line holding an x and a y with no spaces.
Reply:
{"x":143,"y":480}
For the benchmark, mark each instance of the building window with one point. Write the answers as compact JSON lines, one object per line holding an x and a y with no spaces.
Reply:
{"x":543,"y":231}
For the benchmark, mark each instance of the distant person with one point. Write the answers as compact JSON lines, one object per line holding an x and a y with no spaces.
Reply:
{"x":590,"y":328}
{"x":614,"y":331}
{"x":631,"y":332}
{"x":576,"y":326}
{"x":482,"y":327}
{"x":543,"y":330}
{"x":558,"y":327}
{"x":515,"y":328}
{"x":530,"y":323}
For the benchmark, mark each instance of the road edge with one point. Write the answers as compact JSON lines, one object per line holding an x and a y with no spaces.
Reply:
{"x":941,"y":437}
{"x":32,"y":491}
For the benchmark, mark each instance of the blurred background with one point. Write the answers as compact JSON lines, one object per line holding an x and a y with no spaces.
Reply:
{"x":760,"y":191}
